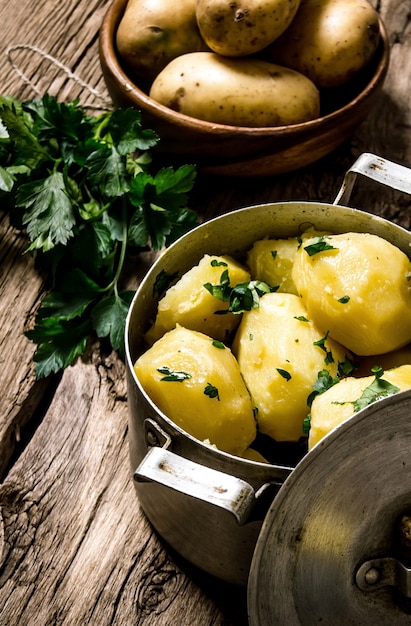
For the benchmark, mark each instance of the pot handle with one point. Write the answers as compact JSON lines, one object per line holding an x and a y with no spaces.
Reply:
{"x":170,"y":470}
{"x":381,"y":170}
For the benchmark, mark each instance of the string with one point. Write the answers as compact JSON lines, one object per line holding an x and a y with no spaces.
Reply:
{"x":106,"y":103}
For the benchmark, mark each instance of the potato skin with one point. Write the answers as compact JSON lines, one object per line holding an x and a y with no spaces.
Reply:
{"x":226,"y":421}
{"x":243,"y":27}
{"x":151,"y":33}
{"x":334,"y":406}
{"x":329,"y":40}
{"x":374,"y":275}
{"x":238,"y":92}
{"x":280,"y":336}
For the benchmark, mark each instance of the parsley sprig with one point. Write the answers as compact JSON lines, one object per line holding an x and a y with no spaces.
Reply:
{"x":242,"y":297}
{"x":83,"y":190}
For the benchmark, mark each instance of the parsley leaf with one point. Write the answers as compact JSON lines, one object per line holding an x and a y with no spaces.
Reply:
{"x":211,"y":391}
{"x":242,"y":297}
{"x":318,"y":244}
{"x":171,"y":376}
{"x":84,"y":190}
{"x":379,"y":388}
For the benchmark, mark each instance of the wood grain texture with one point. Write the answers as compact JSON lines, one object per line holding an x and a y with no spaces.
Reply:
{"x":75,"y":547}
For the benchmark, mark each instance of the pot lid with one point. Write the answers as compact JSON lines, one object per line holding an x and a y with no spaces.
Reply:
{"x":335,"y":546}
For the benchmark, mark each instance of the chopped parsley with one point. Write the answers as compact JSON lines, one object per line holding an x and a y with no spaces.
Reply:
{"x":273,"y":253}
{"x":218,"y":344}
{"x":344,"y":299}
{"x":211,"y":391}
{"x":318,"y":244}
{"x":242,"y":297}
{"x":321,"y":344}
{"x":171,"y":376}
{"x":284,"y":373}
{"x":379,"y":388}
{"x":324,"y":381}
{"x":301,"y":318}
{"x":216,"y":263}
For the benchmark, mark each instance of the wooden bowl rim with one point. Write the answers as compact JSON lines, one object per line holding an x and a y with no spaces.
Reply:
{"x":142,"y":101}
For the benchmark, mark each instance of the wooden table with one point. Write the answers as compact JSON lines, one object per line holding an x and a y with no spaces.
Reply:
{"x":75,"y":547}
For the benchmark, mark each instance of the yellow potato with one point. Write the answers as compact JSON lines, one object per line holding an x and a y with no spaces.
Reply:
{"x":274,"y":346}
{"x":152,"y":32}
{"x":211,"y":402}
{"x":335,"y":406}
{"x":243,"y":28}
{"x":271,"y":260}
{"x":329,"y":40}
{"x":359,"y":291}
{"x":191,"y":305}
{"x":238,"y":92}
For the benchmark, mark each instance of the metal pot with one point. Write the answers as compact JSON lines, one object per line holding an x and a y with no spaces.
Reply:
{"x":211,"y":507}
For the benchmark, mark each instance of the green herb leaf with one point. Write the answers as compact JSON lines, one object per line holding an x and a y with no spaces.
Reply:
{"x":172,"y":376}
{"x":84,"y":190}
{"x":324,"y":381}
{"x":211,"y":391}
{"x":242,"y":297}
{"x":218,"y":344}
{"x":284,"y":373}
{"x":318,"y":244}
{"x":344,"y":299}
{"x":378,"y":389}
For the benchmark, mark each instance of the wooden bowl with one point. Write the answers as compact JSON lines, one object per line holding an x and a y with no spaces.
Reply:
{"x":243,"y":151}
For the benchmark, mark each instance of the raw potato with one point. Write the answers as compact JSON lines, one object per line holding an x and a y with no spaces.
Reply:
{"x":238,"y":92}
{"x":191,"y":305}
{"x":359,"y":291}
{"x":271,"y":260}
{"x":243,"y":27}
{"x":329,"y":40}
{"x":152,"y":32}
{"x":334,"y":406}
{"x":227,"y":420}
{"x":274,"y":346}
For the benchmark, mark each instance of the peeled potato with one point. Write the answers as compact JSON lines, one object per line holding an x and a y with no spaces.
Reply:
{"x":359,"y":291}
{"x":271,"y":260}
{"x":191,"y":305}
{"x":335,"y":406}
{"x":211,"y":402}
{"x":275,"y":349}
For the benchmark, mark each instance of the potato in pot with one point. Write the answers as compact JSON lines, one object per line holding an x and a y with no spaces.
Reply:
{"x":239,"y":92}
{"x":197,"y":383}
{"x":356,"y":286}
{"x":343,"y":400}
{"x":189,"y":304}
{"x":280,"y":352}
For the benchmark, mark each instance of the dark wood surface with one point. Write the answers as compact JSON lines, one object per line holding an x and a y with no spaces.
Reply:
{"x":75,"y":547}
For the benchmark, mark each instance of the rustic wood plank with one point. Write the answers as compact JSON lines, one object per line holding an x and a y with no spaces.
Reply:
{"x":76,"y":546}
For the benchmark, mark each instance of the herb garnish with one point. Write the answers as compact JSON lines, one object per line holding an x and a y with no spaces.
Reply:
{"x":324,"y":381}
{"x":379,"y":388}
{"x":242,"y":297}
{"x":218,"y":344}
{"x":80,"y":187}
{"x":211,"y":391}
{"x":318,"y":244}
{"x":170,"y":376}
{"x":344,"y":299}
{"x":321,"y":344}
{"x":284,"y":373}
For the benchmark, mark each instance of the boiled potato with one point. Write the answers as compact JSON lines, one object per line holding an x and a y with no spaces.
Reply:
{"x":211,"y":401}
{"x":242,"y":28}
{"x":271,"y":260}
{"x":152,"y":32}
{"x":190,"y":304}
{"x":336,"y":405}
{"x":329,"y":40}
{"x":239,"y":92}
{"x":279,"y":361}
{"x":359,"y":290}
